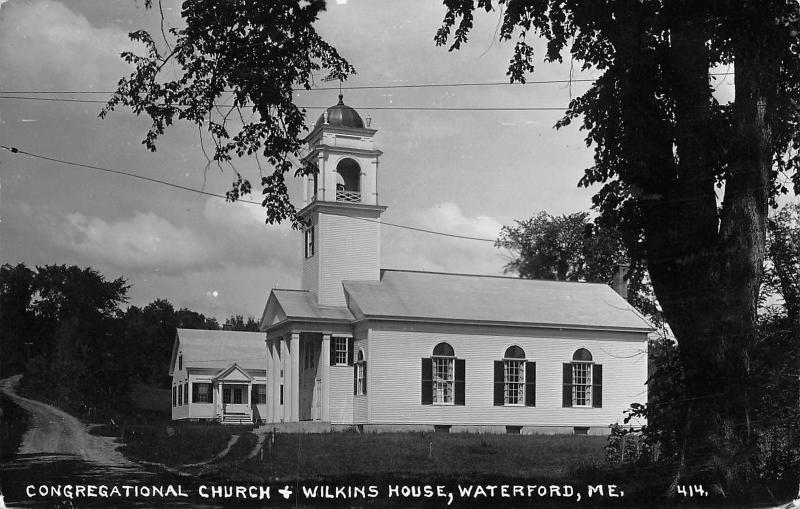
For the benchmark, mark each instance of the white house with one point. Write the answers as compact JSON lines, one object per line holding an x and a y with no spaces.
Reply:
{"x":392,"y":349}
{"x":218,"y":375}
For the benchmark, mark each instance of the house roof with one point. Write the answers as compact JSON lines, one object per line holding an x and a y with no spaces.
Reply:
{"x":221,"y":348}
{"x":301,"y":304}
{"x":508,"y":300}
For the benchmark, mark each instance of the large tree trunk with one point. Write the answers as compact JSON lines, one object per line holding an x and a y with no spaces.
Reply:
{"x":705,"y":265}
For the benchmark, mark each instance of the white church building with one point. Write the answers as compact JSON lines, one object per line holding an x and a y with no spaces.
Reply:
{"x":358,"y":346}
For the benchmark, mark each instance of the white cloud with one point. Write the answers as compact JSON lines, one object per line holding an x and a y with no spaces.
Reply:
{"x":142,"y":242}
{"x":45,"y":43}
{"x":406,"y":249}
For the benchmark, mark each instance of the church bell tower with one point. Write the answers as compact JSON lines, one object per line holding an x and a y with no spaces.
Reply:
{"x":341,"y":239}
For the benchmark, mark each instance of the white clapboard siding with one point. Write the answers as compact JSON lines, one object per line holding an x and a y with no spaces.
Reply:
{"x":341,"y":402}
{"x":395,"y":372}
{"x":311,"y":273}
{"x":348,"y":250}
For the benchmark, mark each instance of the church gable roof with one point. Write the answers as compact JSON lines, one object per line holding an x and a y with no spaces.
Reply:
{"x":220,"y":348}
{"x":469,"y":298}
{"x":300,"y":305}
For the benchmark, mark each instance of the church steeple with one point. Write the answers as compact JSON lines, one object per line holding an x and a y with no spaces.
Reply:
{"x":342,"y":236}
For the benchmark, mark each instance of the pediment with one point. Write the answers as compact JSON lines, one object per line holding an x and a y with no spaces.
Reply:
{"x":233,"y":373}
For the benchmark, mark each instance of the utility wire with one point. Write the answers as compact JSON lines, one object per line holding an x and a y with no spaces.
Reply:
{"x":416,"y":108}
{"x":364,"y":87}
{"x":15,"y":150}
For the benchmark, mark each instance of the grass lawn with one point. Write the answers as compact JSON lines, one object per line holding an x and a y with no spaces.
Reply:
{"x":346,"y":454}
{"x":416,"y":455}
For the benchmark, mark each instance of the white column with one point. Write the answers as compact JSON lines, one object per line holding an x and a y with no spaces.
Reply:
{"x":279,"y":351}
{"x":286,"y":362}
{"x":294,"y":380}
{"x":270,"y":383}
{"x":325,"y":364}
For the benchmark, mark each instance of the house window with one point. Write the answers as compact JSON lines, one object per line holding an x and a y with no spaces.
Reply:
{"x":232,"y":395}
{"x":583,"y":380}
{"x":180,"y":362}
{"x":360,"y":382}
{"x":309,"y":241}
{"x":180,"y":395}
{"x":514,"y":379}
{"x":174,"y":396}
{"x":186,"y":393}
{"x":281,"y":394}
{"x":443,"y":377}
{"x":342,"y":351}
{"x":201,"y":393}
{"x":260,"y":394}
{"x":581,"y":384}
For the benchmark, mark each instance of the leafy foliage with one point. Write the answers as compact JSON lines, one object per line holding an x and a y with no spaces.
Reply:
{"x":238,"y":323}
{"x":249,"y":53}
{"x":685,"y":179}
{"x":571,"y":248}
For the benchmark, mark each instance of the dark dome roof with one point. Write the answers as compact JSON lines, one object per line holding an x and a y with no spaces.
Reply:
{"x":342,"y":115}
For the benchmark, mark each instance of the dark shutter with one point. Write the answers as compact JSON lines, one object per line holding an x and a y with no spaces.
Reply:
{"x":499,"y":384}
{"x":350,"y":346}
{"x":194,"y":393}
{"x":186,"y":393}
{"x":597,"y":385}
{"x":530,"y":384}
{"x":365,"y":377}
{"x":567,"y":394}
{"x":461,"y":369}
{"x":332,"y":350}
{"x":427,"y":381}
{"x":355,"y":379}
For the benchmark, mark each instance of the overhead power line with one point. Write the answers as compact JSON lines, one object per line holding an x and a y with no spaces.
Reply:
{"x":15,"y":150}
{"x":367,"y":87}
{"x":415,"y":108}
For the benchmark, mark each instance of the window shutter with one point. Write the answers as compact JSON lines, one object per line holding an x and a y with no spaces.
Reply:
{"x":461,"y":368}
{"x":567,"y":394}
{"x":427,"y":381}
{"x":186,"y":393}
{"x":365,"y":377}
{"x":350,"y":346}
{"x":499,"y":384}
{"x":194,"y":393}
{"x":332,"y":349}
{"x":597,"y":386}
{"x":355,"y":379}
{"x":530,"y":384}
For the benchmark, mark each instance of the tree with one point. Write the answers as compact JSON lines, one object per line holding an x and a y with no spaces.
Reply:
{"x":150,"y":331}
{"x":571,"y":248}
{"x":73,"y":338}
{"x":783,"y":247}
{"x":257,"y":51}
{"x":237,"y":322}
{"x":664,"y":149}
{"x":16,"y":318}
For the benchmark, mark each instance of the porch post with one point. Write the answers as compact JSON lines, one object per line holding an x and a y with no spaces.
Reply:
{"x":270,"y":417}
{"x":325,"y":364}
{"x":294,"y":380}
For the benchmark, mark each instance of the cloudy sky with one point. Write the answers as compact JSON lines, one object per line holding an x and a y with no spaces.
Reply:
{"x":462,"y":172}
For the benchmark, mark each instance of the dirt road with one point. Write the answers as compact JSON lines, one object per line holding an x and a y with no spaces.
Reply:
{"x":54,"y":432}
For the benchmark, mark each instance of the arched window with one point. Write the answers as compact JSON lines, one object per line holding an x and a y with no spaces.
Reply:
{"x":583,"y":381}
{"x":443,"y":377}
{"x":348,"y":181}
{"x":360,"y":385}
{"x":514,"y":379}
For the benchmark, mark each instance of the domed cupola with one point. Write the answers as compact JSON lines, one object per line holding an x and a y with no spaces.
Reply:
{"x":340,"y":115}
